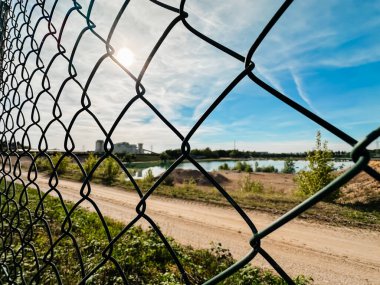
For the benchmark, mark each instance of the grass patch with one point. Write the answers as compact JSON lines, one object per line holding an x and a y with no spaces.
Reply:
{"x":141,"y":254}
{"x":250,"y":185}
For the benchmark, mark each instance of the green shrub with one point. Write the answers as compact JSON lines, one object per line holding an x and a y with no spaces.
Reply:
{"x":267,"y":169}
{"x":142,"y":255}
{"x":239,"y":166}
{"x":243,"y":166}
{"x":224,"y":166}
{"x":164,"y":157}
{"x":63,"y":165}
{"x":249,"y":185}
{"x":248,"y":168}
{"x":42,"y":163}
{"x":149,"y":177}
{"x":89,"y":163}
{"x":190,"y":184}
{"x":122,"y":178}
{"x":109,"y":170}
{"x":289,"y":166}
{"x":320,"y":171}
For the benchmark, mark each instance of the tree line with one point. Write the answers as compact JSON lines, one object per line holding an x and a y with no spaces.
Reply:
{"x":234,"y":153}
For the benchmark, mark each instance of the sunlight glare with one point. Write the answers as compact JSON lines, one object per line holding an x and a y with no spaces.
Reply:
{"x":125,"y":56}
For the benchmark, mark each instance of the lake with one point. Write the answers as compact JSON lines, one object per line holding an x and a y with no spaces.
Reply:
{"x":214,"y":165}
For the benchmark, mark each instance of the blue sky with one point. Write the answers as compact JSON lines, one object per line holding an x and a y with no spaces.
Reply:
{"x":325,"y":55}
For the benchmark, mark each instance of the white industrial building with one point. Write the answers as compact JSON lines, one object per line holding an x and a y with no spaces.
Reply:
{"x":123,"y":147}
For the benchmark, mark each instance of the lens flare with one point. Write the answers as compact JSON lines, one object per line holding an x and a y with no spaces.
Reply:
{"x":125,"y":56}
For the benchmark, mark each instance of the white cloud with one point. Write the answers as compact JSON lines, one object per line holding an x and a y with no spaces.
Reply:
{"x":269,"y":76}
{"x":190,"y":77}
{"x":301,"y":91}
{"x":311,"y":35}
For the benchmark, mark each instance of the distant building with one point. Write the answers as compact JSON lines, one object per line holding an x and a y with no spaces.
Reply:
{"x":120,"y":148}
{"x":124,"y":147}
{"x":99,"y":146}
{"x":140,"y":149}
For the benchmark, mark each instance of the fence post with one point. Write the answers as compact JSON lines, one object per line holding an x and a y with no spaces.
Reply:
{"x":4,"y":10}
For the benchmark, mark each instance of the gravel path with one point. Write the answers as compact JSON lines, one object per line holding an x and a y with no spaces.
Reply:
{"x":331,"y":255}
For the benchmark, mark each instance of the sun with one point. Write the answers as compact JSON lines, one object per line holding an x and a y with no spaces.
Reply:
{"x":125,"y":56}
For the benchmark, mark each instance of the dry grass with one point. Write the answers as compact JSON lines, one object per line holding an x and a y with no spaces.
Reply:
{"x":363,"y":190}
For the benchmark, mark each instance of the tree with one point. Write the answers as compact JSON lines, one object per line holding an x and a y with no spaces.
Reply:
{"x":109,"y":170}
{"x":164,"y":156}
{"x":234,"y":153}
{"x":289,"y":166}
{"x":63,"y":165}
{"x":320,"y":169}
{"x":89,"y":163}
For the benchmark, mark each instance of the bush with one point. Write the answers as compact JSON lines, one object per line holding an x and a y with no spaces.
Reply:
{"x":109,"y":170}
{"x":243,"y":166}
{"x":289,"y":166}
{"x":320,"y":171}
{"x":268,"y":169}
{"x":89,"y":163}
{"x":164,"y":157}
{"x":248,"y":168}
{"x":142,"y":255}
{"x":149,"y":177}
{"x":42,"y":163}
{"x":249,"y":185}
{"x":190,"y":184}
{"x":224,"y":166}
{"x":63,"y":165}
{"x":123,"y":179}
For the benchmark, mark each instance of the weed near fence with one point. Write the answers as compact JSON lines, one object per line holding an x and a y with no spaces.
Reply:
{"x":143,"y":256}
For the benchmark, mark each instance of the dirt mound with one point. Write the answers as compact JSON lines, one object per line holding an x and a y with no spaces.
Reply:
{"x":363,"y":189}
{"x":181,"y":176}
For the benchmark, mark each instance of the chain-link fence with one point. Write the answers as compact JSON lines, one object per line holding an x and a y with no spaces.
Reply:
{"x":27,"y":27}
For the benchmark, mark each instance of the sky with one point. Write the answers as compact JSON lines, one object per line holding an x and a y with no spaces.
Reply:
{"x":325,"y":55}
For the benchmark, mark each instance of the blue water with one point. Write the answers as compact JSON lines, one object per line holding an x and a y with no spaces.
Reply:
{"x":214,"y":165}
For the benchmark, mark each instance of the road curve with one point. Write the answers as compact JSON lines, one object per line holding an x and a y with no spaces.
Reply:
{"x":331,"y":255}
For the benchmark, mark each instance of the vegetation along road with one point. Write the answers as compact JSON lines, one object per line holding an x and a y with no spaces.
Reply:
{"x":331,"y":255}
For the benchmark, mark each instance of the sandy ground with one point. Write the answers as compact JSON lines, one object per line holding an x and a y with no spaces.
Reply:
{"x":363,"y":189}
{"x":331,"y":255}
{"x":230,"y":180}
{"x":277,"y":182}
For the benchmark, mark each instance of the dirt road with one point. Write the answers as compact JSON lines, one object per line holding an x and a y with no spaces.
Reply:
{"x":331,"y":255}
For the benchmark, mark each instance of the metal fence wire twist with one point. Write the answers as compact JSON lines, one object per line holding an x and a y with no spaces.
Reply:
{"x":21,"y":26}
